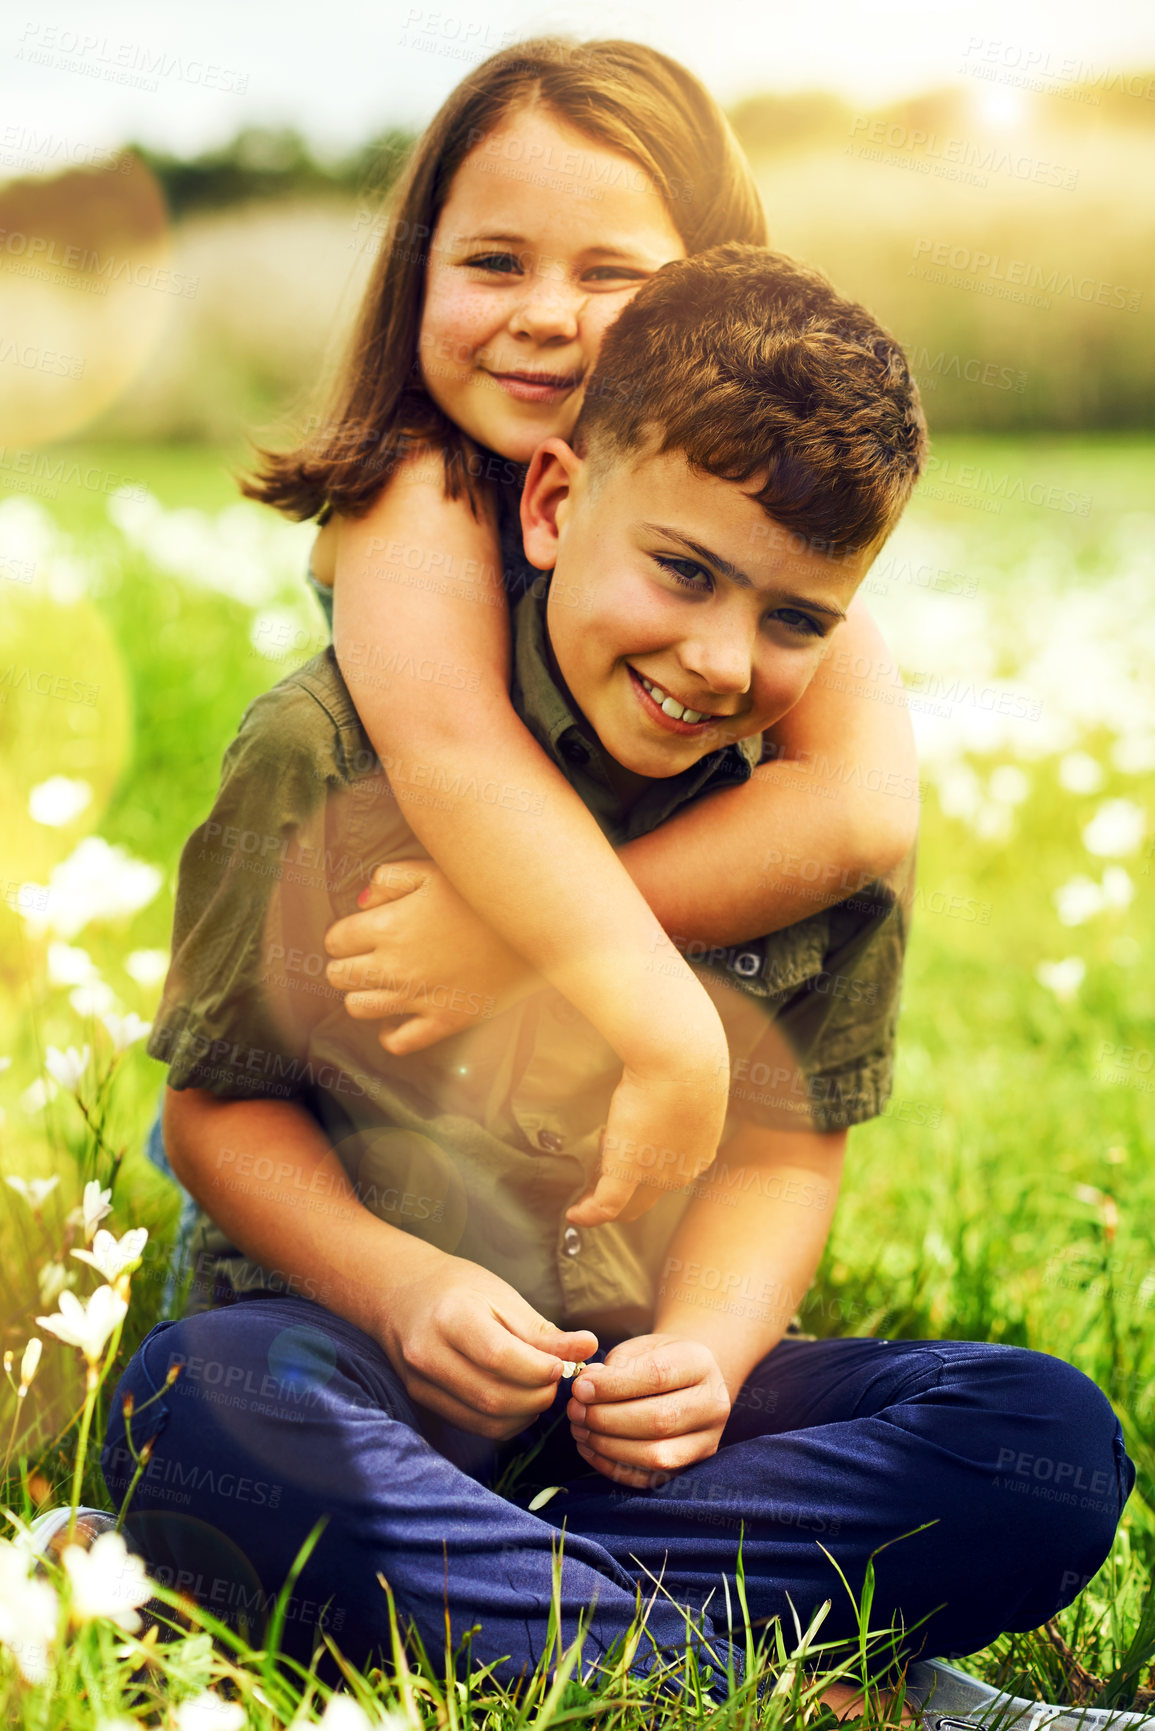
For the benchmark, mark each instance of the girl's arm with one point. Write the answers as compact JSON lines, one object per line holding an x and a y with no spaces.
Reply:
{"x":421,"y":635}
{"x":837,"y":806}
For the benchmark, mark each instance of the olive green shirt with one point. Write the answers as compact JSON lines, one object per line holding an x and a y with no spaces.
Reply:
{"x":481,"y":1142}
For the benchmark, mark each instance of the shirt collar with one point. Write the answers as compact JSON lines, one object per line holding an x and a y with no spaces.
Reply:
{"x":567,"y":737}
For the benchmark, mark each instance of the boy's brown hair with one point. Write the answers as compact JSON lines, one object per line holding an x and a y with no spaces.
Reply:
{"x":752,"y":366}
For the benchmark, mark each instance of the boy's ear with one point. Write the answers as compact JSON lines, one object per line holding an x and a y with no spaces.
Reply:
{"x":544,"y":500}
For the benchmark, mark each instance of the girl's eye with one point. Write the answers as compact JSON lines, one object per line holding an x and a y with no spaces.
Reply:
{"x":615,"y":273}
{"x":801,"y":623}
{"x":504,"y":263}
{"x":678,"y":569}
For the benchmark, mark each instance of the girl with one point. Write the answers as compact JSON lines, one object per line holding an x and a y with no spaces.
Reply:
{"x":554,"y":182}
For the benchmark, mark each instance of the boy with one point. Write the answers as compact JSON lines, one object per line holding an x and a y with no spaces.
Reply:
{"x":431,"y":1236}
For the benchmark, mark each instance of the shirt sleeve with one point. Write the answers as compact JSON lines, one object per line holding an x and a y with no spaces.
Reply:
{"x":832,"y":990}
{"x":247,"y":978}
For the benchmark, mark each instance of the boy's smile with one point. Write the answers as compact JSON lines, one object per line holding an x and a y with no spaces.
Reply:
{"x":681,"y":618}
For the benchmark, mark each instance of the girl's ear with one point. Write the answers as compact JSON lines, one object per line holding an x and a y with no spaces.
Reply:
{"x":548,"y":485}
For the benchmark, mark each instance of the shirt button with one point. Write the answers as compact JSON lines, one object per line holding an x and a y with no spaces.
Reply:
{"x":574,"y":751}
{"x":550,"y":1141}
{"x":571,"y":1241}
{"x":747,"y":963}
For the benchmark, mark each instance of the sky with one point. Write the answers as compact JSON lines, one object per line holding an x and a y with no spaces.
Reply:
{"x":184,"y":75}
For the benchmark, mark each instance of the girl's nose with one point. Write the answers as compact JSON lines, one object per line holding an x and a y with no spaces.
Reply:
{"x":549,"y":308}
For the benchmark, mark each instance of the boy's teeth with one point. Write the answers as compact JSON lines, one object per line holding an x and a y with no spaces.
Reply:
{"x":675,"y":710}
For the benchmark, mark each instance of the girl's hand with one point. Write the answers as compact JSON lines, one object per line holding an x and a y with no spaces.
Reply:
{"x":468,"y":1347}
{"x":418,"y":950}
{"x":658,"y":1404}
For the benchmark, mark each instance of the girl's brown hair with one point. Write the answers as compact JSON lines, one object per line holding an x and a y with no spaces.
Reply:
{"x":626,"y":97}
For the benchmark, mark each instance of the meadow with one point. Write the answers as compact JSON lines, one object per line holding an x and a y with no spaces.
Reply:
{"x":1005,"y":1195}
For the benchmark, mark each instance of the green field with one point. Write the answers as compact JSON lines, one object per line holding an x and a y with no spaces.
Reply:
{"x":1006,"y":1194}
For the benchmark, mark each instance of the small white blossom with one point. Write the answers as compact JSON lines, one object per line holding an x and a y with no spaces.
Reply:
{"x":30,"y":1362}
{"x":344,"y":1714}
{"x":207,"y":1712}
{"x":1078,"y":900}
{"x":146,"y":967}
{"x":1079,"y":772}
{"x":97,"y":1203}
{"x":1116,"y":828}
{"x":69,"y":966}
{"x":87,"y":1325}
{"x":1063,"y":978}
{"x":68,"y":1067}
{"x":97,"y":998}
{"x":59,"y":800}
{"x":96,"y":882}
{"x":5,"y":1064}
{"x":37,"y":1094}
{"x":111,"y":1256}
{"x":35,"y":1191}
{"x":1134,"y":753}
{"x":51,"y":1279}
{"x":1118,"y":889}
{"x":1009,"y":785}
{"x":28,"y":1612}
{"x":125,"y":1030}
{"x":106,"y":1581}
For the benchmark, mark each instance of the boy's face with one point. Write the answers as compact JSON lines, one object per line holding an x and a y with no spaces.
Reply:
{"x":673,"y":590}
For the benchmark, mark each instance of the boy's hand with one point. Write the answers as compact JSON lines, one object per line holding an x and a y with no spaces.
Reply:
{"x":470,"y":1348}
{"x":658,"y":1404}
{"x":417,"y":936}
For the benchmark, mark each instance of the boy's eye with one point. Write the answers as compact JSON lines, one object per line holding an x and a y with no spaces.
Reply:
{"x":685,"y":572}
{"x":615,"y":273}
{"x":801,"y":623}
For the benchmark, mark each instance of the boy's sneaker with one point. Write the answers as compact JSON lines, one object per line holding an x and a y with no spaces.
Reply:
{"x":50,"y":1530}
{"x":947,"y":1699}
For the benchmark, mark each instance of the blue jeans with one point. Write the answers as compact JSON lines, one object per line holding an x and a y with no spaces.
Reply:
{"x":285,"y":1413}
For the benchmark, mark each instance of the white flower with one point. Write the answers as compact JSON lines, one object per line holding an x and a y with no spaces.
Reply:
{"x":1078,"y":900}
{"x":30,"y":1362}
{"x":97,"y":998}
{"x":51,"y":1280}
{"x":1079,"y":772}
{"x":59,"y":800}
{"x":37,"y":1094}
{"x":68,"y":1067}
{"x":111,"y":1256}
{"x":96,"y":882}
{"x":97,"y":1203}
{"x":344,"y":1714}
{"x":1116,"y":828}
{"x":125,"y":1030}
{"x":87,"y":1325}
{"x":1063,"y":978}
{"x":1134,"y":753}
{"x":1118,"y":889}
{"x":207,"y":1712}
{"x":35,"y":1191}
{"x":146,"y":967}
{"x":28,"y":1612}
{"x":68,"y":966}
{"x":5,"y":1064}
{"x":1009,"y":785}
{"x":106,"y":1581}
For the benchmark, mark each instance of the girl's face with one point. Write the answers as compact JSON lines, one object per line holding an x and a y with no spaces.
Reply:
{"x":544,"y":237}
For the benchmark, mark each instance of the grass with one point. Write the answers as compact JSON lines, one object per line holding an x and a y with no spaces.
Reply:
{"x":1007,"y":1194}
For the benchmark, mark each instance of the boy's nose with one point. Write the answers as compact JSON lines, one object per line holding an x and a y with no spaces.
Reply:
{"x":723,"y":663}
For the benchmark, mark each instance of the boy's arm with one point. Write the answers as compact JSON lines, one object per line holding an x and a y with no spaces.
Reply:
{"x":837,"y":807}
{"x":465,"y":1344}
{"x":732,"y":1279}
{"x":417,"y":573}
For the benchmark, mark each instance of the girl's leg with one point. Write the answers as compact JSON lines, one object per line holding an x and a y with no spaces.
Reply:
{"x":1015,"y":1457}
{"x":284,"y":1415}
